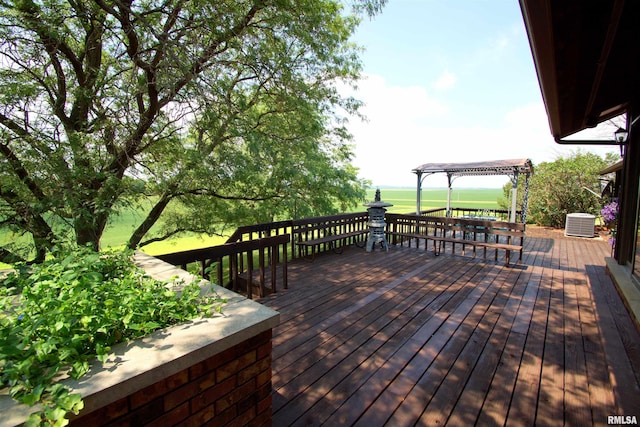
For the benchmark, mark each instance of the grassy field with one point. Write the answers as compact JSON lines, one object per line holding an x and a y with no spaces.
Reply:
{"x":403,"y":200}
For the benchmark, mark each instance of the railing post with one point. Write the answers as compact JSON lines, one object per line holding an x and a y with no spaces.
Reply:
{"x":261,"y":266}
{"x":250,"y":275}
{"x":285,"y":282}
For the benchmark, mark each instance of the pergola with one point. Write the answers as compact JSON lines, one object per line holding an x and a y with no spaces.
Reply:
{"x":512,"y":168}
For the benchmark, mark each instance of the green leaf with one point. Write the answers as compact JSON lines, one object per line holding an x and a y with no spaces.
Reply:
{"x":72,"y":402}
{"x":152,"y":325}
{"x":94,"y":276}
{"x":127,"y":319}
{"x":79,"y":369}
{"x":33,"y":397}
{"x":57,"y":415}
{"x":34,"y":420}
{"x":86,"y":320}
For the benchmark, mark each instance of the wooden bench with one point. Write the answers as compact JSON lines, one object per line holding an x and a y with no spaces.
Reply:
{"x":309,"y":234}
{"x":496,"y":235}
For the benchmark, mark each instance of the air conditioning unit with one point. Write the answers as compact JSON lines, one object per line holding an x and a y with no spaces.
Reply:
{"x":580,"y":224}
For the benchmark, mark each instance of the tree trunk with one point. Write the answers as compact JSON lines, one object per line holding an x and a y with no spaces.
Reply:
{"x":90,"y":227}
{"x":149,"y":221}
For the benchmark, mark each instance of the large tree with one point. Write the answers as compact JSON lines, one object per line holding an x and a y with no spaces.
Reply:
{"x":214,"y":110}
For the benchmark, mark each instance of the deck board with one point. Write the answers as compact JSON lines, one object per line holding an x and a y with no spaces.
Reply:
{"x":405,"y":337}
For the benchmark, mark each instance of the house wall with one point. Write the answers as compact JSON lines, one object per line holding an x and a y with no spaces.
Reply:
{"x":626,"y":236}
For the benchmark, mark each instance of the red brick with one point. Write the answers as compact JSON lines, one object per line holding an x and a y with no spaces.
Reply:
{"x":177,"y":379}
{"x":264,"y":377}
{"x":158,"y":389}
{"x":252,"y":371}
{"x":102,"y":415}
{"x":245,"y":404}
{"x":235,"y":396}
{"x":264,"y":391}
{"x":186,"y":392}
{"x":231,"y":388}
{"x":210,"y":364}
{"x":141,"y":416}
{"x":198,"y":419}
{"x":243,"y":418}
{"x":147,"y":394}
{"x":260,"y":339}
{"x":265,"y":350}
{"x":262,"y":419}
{"x":209,"y":396}
{"x":116,"y":409}
{"x":265,"y":405}
{"x":172,"y":417}
{"x":223,"y":418}
{"x":235,"y":365}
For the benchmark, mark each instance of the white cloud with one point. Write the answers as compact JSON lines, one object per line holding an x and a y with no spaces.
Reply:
{"x":386,"y":144}
{"x":406,"y":128}
{"x":384,"y":102}
{"x":445,"y":81}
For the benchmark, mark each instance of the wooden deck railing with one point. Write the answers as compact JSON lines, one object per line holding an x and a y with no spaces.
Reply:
{"x":226,"y":263}
{"x":325,"y":233}
{"x":499,"y":214}
{"x":263,"y":247}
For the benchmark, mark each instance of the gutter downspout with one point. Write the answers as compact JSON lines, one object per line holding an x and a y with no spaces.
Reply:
{"x":561,"y":141}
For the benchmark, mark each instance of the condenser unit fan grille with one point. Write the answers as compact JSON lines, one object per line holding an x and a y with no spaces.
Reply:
{"x":580,"y":224}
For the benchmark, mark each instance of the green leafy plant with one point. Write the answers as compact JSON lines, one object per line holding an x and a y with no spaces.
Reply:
{"x":57,"y":316}
{"x":568,"y":184}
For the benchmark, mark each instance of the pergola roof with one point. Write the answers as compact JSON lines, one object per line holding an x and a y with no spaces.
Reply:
{"x":492,"y":167}
{"x":512,"y":168}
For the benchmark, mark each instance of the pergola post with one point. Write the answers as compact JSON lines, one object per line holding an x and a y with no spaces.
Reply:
{"x":448,"y":214}
{"x":514,"y":196}
{"x":419,"y":194}
{"x":525,"y":200}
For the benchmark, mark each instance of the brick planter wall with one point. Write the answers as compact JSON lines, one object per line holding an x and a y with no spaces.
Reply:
{"x":210,"y":371}
{"x":230,"y":388}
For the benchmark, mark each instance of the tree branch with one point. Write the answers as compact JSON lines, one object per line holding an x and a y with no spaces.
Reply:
{"x":200,"y":63}
{"x":211,"y":193}
{"x":16,"y":165}
{"x":8,"y":257}
{"x":164,"y":237}
{"x":150,"y":220}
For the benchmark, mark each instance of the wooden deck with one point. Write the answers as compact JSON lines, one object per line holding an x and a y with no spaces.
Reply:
{"x":404,"y":337}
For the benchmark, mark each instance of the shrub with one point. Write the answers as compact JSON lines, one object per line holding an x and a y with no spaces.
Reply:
{"x":569,"y":184}
{"x":57,"y":316}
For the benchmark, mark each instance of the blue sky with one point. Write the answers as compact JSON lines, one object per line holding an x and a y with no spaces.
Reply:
{"x":448,"y":81}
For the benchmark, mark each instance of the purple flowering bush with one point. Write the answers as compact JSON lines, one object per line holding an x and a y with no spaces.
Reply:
{"x":610,"y":212}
